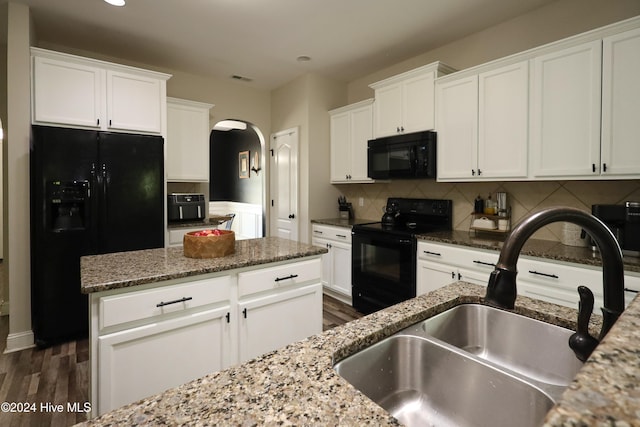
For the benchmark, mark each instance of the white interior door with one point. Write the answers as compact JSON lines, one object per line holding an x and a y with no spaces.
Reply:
{"x":284,"y":184}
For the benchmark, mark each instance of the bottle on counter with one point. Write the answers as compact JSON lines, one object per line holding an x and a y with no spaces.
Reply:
{"x":490,"y":206}
{"x":478,"y":205}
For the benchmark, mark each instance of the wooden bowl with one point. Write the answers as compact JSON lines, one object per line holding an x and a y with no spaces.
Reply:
{"x":211,"y":246}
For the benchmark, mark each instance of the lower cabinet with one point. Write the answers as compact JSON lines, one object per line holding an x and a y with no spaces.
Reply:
{"x":336,"y":264}
{"x":439,"y":265}
{"x":272,"y":321}
{"x":152,"y":337}
{"x":552,"y":281}
{"x":141,"y":361}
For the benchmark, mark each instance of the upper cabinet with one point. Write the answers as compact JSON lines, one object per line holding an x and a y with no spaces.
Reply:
{"x":405,"y":103}
{"x":187,"y":144}
{"x":69,"y":90}
{"x":482,"y":124}
{"x":351,"y":129}
{"x":565,"y":111}
{"x":620,"y":144}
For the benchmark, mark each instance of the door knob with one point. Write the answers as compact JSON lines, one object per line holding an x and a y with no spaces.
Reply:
{"x":292,"y":216}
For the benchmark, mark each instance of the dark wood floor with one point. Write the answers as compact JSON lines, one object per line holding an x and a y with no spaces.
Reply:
{"x":60,"y":374}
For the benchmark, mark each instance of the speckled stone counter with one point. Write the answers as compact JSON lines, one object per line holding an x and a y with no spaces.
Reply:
{"x":297,"y":385}
{"x":124,"y":269}
{"x":339,"y":222}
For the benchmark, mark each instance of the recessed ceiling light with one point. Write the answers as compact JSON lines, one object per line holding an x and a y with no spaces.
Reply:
{"x":115,"y":2}
{"x":303,"y":58}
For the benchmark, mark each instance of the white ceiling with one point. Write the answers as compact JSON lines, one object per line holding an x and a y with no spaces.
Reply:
{"x":261,"y":39}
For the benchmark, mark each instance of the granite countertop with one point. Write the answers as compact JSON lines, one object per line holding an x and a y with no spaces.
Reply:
{"x":546,"y":249}
{"x":296,"y":385}
{"x":124,"y":269}
{"x":339,"y":222}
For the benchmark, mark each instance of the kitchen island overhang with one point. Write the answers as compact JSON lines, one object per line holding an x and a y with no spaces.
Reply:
{"x":297,"y":384}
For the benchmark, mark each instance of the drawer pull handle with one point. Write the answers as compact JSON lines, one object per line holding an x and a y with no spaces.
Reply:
{"x":244,"y":313}
{"x":317,"y":231}
{"x":484,"y":263}
{"x":553,"y":276}
{"x":291,"y":276}
{"x":631,"y":290}
{"x":432,"y":253}
{"x":228,"y":316}
{"x":342,"y":236}
{"x":185,"y":299}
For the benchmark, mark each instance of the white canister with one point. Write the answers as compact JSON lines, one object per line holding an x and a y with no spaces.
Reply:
{"x":503,"y":224}
{"x":572,"y":235}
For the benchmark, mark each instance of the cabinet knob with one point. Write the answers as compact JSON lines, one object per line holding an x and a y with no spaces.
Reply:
{"x":292,"y":216}
{"x":479,"y":172}
{"x":473,"y":172}
{"x":604,"y":167}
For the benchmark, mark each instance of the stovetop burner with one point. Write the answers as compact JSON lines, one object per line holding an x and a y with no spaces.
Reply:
{"x":414,"y":216}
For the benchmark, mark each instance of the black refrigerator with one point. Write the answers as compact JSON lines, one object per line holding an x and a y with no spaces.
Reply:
{"x":91,"y":193}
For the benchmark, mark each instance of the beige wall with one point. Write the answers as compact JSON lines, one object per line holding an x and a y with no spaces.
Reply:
{"x":304,"y":103}
{"x":552,"y":22}
{"x":16,"y":165}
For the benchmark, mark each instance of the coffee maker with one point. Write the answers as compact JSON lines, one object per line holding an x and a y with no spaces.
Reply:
{"x":624,"y":222}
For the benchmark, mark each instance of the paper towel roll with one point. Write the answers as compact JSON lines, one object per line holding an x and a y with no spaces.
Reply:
{"x":571,"y":235}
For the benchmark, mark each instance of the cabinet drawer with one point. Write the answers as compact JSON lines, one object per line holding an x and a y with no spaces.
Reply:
{"x":133,"y":306}
{"x":476,"y":259}
{"x":340,"y":234}
{"x":265,"y":279}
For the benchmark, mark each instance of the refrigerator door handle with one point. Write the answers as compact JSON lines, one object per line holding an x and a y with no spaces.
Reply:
{"x":105,"y":198}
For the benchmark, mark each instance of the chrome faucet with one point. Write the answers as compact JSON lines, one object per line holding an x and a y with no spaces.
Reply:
{"x":501,"y":289}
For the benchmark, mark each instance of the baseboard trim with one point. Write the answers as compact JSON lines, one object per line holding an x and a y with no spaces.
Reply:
{"x":19,"y":341}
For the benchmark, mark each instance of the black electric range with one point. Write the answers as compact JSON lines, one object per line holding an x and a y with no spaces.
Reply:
{"x":383,"y":268}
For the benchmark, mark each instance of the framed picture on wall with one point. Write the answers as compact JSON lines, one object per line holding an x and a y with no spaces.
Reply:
{"x":243,"y":164}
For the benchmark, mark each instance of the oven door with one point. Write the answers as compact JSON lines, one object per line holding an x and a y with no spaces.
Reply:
{"x":383,"y":270}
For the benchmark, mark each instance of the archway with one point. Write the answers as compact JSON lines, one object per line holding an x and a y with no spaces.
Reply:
{"x":237,"y":176}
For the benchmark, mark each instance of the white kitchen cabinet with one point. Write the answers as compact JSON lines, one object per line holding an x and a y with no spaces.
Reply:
{"x":351,"y":129}
{"x":553,"y":281}
{"x":441,"y":264}
{"x":69,"y":90}
{"x":565,"y":112}
{"x":135,"y":102}
{"x":187,"y":144}
{"x":56,"y":82}
{"x":336,"y":264}
{"x":482,"y":124}
{"x":143,"y":337}
{"x":268,"y":322}
{"x":277,"y":306}
{"x":405,"y":103}
{"x":620,"y":148}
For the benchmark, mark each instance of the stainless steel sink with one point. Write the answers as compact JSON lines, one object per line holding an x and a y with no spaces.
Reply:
{"x":423,"y":382}
{"x":525,"y":346}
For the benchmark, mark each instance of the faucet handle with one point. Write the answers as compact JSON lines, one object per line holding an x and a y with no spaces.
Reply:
{"x":582,"y":343}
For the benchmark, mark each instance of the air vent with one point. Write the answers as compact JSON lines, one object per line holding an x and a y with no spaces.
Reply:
{"x":242,"y":78}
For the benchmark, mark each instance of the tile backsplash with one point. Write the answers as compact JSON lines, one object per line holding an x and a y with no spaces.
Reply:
{"x":524,"y":197}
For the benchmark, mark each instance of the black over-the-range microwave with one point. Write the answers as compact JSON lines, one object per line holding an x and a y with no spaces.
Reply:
{"x":411,"y":155}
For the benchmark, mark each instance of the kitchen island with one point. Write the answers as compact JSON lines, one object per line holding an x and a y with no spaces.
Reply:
{"x":297,"y":384}
{"x":159,"y":319}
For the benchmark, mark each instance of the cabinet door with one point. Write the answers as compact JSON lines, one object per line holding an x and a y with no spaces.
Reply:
{"x":457,"y":126}
{"x":134,"y":102}
{"x":341,"y":267}
{"x":565,"y":123}
{"x":431,"y":276}
{"x":275,"y":320}
{"x":340,"y":147}
{"x":620,"y":104}
{"x":361,"y":133}
{"x":503,"y":118}
{"x":418,"y":106}
{"x":56,"y":83}
{"x":326,"y":260}
{"x":142,"y":361}
{"x":387,"y":110}
{"x":187,"y":144}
